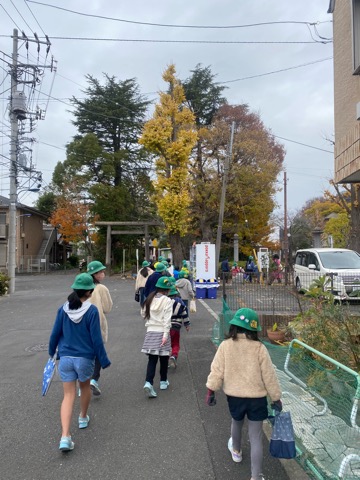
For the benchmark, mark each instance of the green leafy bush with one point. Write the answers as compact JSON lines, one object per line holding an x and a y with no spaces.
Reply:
{"x":4,"y":283}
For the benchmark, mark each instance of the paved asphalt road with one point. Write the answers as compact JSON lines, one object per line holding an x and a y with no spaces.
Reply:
{"x":130,"y":437}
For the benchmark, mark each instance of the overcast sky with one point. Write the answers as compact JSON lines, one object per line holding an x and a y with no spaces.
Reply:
{"x":296,"y":104}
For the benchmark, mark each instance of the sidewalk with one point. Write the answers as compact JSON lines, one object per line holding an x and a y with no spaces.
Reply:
{"x":129,"y":437}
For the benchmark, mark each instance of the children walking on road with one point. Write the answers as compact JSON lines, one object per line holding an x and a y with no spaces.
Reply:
{"x":102,"y":300}
{"x":243,"y":368}
{"x":77,"y":336}
{"x":157,"y":311}
{"x":179,"y":316}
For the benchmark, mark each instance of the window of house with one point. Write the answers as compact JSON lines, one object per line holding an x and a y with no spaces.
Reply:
{"x":356,"y":35}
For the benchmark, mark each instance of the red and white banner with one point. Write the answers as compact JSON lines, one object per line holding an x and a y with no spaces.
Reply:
{"x":205,"y":261}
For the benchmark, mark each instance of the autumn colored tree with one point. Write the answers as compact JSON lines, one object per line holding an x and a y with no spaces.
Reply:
{"x":256,"y":162}
{"x":171,"y":135}
{"x":73,"y":219}
{"x":331,"y":213}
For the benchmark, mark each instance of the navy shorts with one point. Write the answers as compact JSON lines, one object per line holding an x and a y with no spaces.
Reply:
{"x":75,"y":368}
{"x":254,"y":408}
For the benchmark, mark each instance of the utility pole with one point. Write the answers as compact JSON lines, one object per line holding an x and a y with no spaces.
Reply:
{"x":223,"y":194}
{"x":286,"y":240}
{"x":18,"y":112}
{"x":13,"y":157}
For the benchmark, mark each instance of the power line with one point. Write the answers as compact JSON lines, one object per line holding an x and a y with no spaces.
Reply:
{"x":304,"y":144}
{"x":21,"y":15}
{"x":173,"y":25}
{"x":34,"y":17}
{"x":277,"y":71}
{"x":206,"y":42}
{"x":10,"y":19}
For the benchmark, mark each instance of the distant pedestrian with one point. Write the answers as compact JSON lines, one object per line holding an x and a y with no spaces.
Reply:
{"x":101,"y":298}
{"x":141,"y":279}
{"x":185,"y":289}
{"x":250,"y":268}
{"x":179,"y":317}
{"x":170,"y":268}
{"x":275,"y":270}
{"x":225,"y":269}
{"x":242,"y":367}
{"x":157,"y":311}
{"x":77,"y":336}
{"x":176,"y":272}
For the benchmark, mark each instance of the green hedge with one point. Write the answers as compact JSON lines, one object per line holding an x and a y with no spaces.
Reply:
{"x":4,"y":283}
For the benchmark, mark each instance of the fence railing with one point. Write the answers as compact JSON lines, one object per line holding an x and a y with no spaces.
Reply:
{"x":323,"y":397}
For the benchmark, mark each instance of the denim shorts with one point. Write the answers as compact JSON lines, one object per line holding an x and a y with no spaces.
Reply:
{"x":75,"y":368}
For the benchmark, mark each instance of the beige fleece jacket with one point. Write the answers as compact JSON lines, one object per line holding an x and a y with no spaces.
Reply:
{"x":243,"y":368}
{"x":102,"y":300}
{"x":141,"y":280}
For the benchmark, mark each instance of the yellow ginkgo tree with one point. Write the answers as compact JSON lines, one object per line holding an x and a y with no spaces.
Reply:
{"x":171,"y":135}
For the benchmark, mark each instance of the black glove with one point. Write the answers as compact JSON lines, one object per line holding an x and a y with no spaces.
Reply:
{"x":277,"y":406}
{"x":210,"y":398}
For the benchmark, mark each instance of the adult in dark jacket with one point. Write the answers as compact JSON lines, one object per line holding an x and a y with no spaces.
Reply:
{"x":77,"y":336}
{"x":160,"y":270}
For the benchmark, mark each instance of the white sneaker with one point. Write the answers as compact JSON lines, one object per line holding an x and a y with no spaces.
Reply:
{"x":149,"y":390}
{"x":236,"y":456}
{"x":95,"y":387}
{"x":164,"y":385}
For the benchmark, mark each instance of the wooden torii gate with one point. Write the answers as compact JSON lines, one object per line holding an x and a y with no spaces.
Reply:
{"x":144,"y":231}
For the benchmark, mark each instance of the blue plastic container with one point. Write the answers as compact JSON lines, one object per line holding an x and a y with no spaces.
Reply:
{"x":212,"y":289}
{"x":200,"y":292}
{"x":200,"y":289}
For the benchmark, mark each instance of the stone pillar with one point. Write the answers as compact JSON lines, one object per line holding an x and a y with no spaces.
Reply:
{"x":236,"y":247}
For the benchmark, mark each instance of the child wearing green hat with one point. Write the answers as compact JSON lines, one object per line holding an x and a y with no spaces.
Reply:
{"x":77,"y":337}
{"x":101,"y":298}
{"x":157,"y":311}
{"x":242,"y":367}
{"x":179,"y":317}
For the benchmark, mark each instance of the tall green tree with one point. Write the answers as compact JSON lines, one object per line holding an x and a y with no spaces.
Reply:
{"x":171,"y":135}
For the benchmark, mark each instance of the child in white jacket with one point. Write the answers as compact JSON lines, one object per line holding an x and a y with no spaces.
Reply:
{"x":157,"y":311}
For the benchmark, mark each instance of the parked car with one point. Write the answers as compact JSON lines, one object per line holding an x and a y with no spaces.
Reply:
{"x":340,"y":264}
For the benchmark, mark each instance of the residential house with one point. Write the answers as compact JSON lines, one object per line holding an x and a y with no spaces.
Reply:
{"x":34,"y":239}
{"x":346,"y":28}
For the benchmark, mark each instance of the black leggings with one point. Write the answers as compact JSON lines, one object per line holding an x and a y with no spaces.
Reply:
{"x":151,"y":367}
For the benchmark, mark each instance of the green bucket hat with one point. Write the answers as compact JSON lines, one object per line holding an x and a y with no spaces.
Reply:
{"x":173,"y":291}
{"x":145,"y":264}
{"x":246,"y":318}
{"x":161,"y":258}
{"x":183,"y":274}
{"x":160,"y":267}
{"x":251,"y":257}
{"x":163,"y":283}
{"x":84,"y":281}
{"x":95,"y":267}
{"x":184,"y":262}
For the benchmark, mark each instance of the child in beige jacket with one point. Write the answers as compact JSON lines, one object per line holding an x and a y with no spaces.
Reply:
{"x":102,"y":300}
{"x":242,"y":367}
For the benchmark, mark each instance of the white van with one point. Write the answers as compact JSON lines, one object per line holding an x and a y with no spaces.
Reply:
{"x":344,"y":264}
